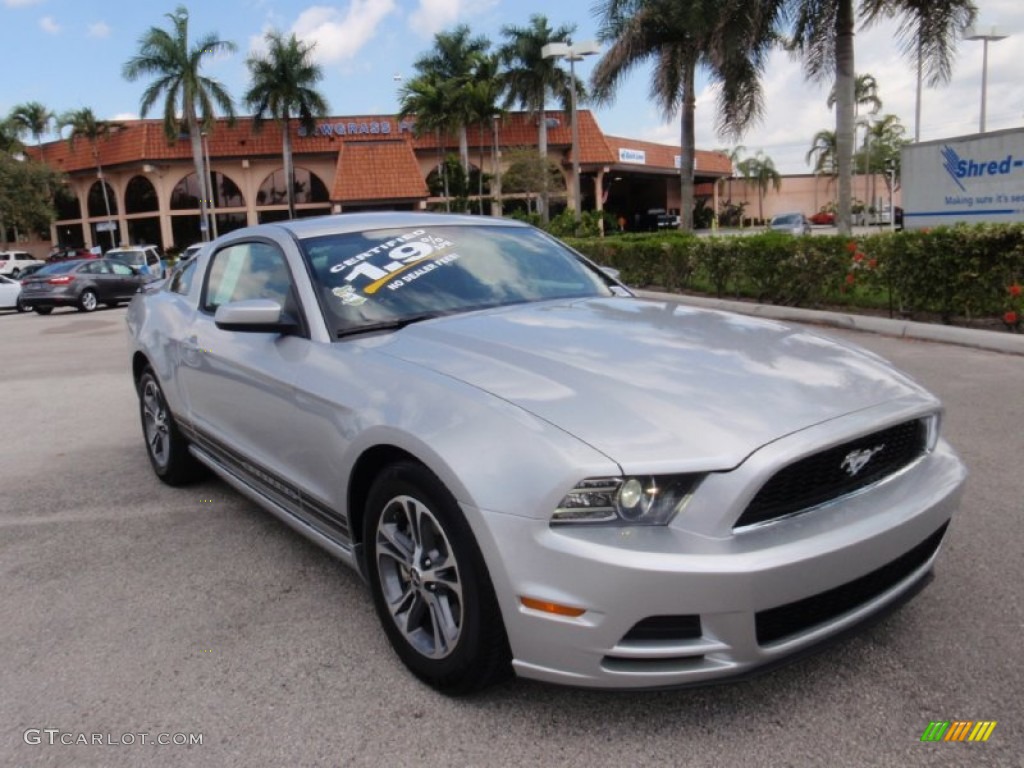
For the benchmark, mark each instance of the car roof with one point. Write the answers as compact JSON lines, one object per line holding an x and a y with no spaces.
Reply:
{"x":346,"y":223}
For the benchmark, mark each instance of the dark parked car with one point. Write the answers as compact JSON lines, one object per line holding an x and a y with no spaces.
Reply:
{"x":82,"y":283}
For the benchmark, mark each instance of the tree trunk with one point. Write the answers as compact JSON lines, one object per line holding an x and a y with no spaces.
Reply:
{"x":289,"y":169}
{"x":464,"y":149}
{"x":844,"y":111}
{"x":103,"y":188}
{"x":542,"y":147}
{"x":496,"y":209}
{"x":687,"y":144}
{"x":196,"y":140}
{"x":480,"y":173}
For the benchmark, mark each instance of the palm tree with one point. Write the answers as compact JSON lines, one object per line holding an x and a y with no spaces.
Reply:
{"x":35,"y":119}
{"x":425,"y":98}
{"x":760,"y":169}
{"x":10,"y":141}
{"x":483,"y":95}
{"x":530,"y":79}
{"x":454,"y":60}
{"x":730,"y":40}
{"x":865,"y":93}
{"x":284,"y":86}
{"x":176,"y":66}
{"x":84,"y":125}
{"x":823,"y":153}
{"x":823,"y":35}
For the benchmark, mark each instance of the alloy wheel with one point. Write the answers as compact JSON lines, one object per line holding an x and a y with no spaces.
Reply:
{"x":419,"y":577}
{"x":154,"y":420}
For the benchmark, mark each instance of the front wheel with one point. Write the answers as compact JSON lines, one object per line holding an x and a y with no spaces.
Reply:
{"x":21,"y":306}
{"x":166,"y":447}
{"x":87,"y":301}
{"x":430,"y":586}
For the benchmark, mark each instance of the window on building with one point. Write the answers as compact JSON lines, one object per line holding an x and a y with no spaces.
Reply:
{"x":140,"y":196}
{"x":96,"y":202}
{"x":309,"y":188}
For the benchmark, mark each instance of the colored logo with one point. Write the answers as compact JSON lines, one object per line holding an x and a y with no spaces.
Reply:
{"x":855,"y":461}
{"x":958,"y":730}
{"x":959,"y":168}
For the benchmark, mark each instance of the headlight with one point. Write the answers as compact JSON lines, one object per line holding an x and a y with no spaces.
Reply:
{"x":640,"y":500}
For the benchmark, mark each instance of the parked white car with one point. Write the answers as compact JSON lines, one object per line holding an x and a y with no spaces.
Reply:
{"x":10,"y":295}
{"x":13,"y":262}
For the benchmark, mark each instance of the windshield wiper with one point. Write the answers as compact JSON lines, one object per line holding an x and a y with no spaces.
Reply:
{"x":389,"y":325}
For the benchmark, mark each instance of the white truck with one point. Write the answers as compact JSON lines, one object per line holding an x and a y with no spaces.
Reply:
{"x":971,"y":179}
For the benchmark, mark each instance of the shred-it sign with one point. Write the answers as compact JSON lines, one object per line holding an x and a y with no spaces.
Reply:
{"x":967,"y":179}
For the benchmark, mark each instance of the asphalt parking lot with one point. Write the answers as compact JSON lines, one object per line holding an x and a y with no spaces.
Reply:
{"x":131,"y":608}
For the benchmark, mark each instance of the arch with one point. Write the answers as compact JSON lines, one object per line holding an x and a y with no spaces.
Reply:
{"x":309,"y":188}
{"x":95,"y":202}
{"x":226,"y":193}
{"x":67,"y":204}
{"x":140,"y":196}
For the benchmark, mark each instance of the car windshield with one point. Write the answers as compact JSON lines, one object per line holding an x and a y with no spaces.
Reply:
{"x":126,"y":257}
{"x":789,"y":218}
{"x":395,"y":275}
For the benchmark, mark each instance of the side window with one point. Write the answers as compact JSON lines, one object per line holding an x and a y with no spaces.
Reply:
{"x":121,"y":269}
{"x":248,"y":271}
{"x":181,"y":281}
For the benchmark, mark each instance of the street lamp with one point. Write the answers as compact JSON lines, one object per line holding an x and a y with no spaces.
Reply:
{"x":985,"y":34}
{"x":573,"y":53}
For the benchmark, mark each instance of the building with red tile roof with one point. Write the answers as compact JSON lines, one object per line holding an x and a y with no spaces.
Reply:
{"x":347,"y":163}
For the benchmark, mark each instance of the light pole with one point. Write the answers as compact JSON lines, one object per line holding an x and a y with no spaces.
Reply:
{"x":985,"y":34}
{"x":573,"y":53}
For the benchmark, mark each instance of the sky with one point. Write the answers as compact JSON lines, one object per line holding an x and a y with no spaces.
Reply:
{"x":68,"y":54}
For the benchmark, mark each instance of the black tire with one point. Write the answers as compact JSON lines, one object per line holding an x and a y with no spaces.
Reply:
{"x":42,"y":310}
{"x":166,"y":447}
{"x":476,"y":652}
{"x":87,"y":301}
{"x":21,"y":306}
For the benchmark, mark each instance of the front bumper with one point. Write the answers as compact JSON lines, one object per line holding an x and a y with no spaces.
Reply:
{"x":761,"y":595}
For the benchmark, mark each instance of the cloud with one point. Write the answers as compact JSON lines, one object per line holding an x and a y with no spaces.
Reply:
{"x":125,"y":116}
{"x":433,"y":16}
{"x":340,"y":35}
{"x":99,"y":29}
{"x":21,"y":3}
{"x":49,"y":26}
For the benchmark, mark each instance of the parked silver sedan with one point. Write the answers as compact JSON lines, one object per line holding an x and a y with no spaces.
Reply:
{"x":533,"y":469}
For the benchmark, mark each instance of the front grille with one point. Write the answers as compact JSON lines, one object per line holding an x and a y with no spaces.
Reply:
{"x":825,"y":476}
{"x":793,"y":618}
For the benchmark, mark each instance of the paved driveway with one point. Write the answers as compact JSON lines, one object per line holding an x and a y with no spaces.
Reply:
{"x":128,"y":608}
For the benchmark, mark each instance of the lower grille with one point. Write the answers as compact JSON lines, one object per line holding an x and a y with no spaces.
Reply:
{"x":793,"y":618}
{"x":835,"y":472}
{"x":665,"y":628}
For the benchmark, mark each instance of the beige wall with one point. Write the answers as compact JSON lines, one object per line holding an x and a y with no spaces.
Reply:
{"x":805,"y":194}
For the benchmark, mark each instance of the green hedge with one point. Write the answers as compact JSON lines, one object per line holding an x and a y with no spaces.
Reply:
{"x":965,"y":272}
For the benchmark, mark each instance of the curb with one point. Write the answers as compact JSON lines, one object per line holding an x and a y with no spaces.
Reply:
{"x":1007,"y":343}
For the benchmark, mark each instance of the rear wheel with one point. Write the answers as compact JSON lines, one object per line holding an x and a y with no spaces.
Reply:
{"x":22,"y":306}
{"x":87,"y":301}
{"x":430,"y":585}
{"x":166,"y":447}
{"x":43,"y":310}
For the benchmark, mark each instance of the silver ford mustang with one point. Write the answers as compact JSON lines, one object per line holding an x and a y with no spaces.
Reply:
{"x":533,"y":469}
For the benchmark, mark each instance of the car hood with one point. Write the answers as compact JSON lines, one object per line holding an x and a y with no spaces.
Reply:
{"x":654,"y":385}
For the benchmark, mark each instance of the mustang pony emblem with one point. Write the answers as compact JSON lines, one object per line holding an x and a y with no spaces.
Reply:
{"x":855,"y":461}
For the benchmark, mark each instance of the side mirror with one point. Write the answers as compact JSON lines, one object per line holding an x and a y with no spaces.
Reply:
{"x":254,"y":316}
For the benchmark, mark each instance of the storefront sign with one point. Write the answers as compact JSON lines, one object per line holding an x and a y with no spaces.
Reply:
{"x":636,"y":156}
{"x":358,"y":128}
